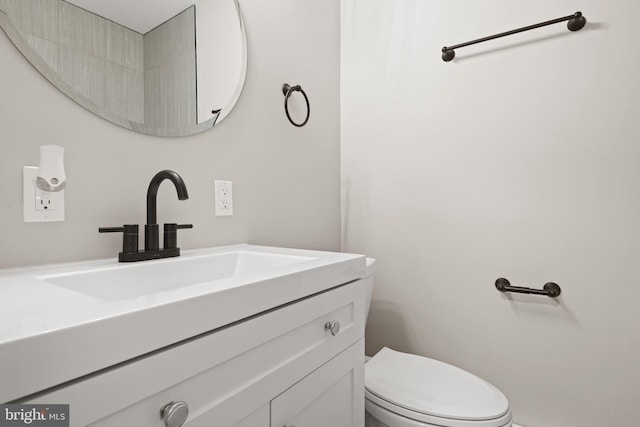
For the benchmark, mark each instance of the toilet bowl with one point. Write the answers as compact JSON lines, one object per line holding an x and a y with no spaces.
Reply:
{"x":406,"y":390}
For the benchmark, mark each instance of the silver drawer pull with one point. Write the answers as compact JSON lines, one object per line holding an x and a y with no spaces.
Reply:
{"x":174,"y":414}
{"x":333,"y":327}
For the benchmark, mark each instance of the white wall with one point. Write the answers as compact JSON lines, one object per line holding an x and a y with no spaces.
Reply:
{"x":286,"y":179}
{"x":518,"y":160}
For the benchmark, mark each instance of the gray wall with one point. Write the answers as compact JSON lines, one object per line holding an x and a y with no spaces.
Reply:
{"x":170,"y":73}
{"x":286,"y":179}
{"x":518,"y":160}
{"x":100,"y":59}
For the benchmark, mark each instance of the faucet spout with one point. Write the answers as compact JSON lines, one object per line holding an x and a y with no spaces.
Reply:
{"x":151,"y":237}
{"x":152,"y":192}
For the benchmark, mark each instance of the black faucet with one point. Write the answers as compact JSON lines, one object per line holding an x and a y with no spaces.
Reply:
{"x":151,"y":238}
{"x":151,"y":235}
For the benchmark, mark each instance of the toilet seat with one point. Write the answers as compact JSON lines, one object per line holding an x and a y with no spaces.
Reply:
{"x":433,"y":392}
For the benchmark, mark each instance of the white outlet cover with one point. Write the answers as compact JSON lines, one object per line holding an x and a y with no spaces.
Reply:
{"x":30,"y":198}
{"x":224,"y":198}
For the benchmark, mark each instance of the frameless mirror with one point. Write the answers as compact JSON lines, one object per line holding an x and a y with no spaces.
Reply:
{"x":159,"y":67}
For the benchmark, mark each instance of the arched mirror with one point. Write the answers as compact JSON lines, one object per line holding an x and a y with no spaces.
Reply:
{"x":159,"y":67}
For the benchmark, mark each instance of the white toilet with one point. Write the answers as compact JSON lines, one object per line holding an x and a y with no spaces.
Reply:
{"x":405,"y":390}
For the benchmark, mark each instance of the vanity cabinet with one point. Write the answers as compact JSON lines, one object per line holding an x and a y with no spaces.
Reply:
{"x":287,"y":366}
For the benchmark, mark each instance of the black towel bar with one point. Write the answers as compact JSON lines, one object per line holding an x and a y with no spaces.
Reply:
{"x":549,"y":289}
{"x":576,"y":22}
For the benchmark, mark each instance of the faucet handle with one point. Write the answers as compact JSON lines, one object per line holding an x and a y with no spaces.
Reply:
{"x":171,"y":234}
{"x":129,"y":239}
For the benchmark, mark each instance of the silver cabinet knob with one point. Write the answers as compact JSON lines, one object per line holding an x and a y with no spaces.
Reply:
{"x":333,"y":327}
{"x":174,"y":414}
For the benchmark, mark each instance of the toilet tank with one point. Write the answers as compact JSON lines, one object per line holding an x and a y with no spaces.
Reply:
{"x":368,"y":285}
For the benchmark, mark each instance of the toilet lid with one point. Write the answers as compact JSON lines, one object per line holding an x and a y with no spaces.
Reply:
{"x":432,"y":388}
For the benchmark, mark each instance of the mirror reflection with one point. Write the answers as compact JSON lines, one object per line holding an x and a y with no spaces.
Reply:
{"x":160,"y":67}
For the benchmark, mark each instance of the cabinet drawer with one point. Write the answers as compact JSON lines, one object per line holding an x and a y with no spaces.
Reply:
{"x":224,"y":375}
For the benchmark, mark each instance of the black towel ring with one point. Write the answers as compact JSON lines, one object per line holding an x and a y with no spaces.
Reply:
{"x":287,"y":90}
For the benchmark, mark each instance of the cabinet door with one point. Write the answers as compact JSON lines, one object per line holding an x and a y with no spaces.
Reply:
{"x":260,"y":418}
{"x":332,"y":395}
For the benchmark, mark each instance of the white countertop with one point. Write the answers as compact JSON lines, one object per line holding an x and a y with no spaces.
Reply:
{"x":50,"y":334}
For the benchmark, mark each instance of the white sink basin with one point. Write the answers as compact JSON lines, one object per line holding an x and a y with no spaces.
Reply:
{"x":79,"y":318}
{"x":125,"y":281}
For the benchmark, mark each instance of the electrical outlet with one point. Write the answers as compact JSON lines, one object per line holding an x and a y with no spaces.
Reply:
{"x":224,"y":198}
{"x":39,"y":205}
{"x":45,"y":200}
